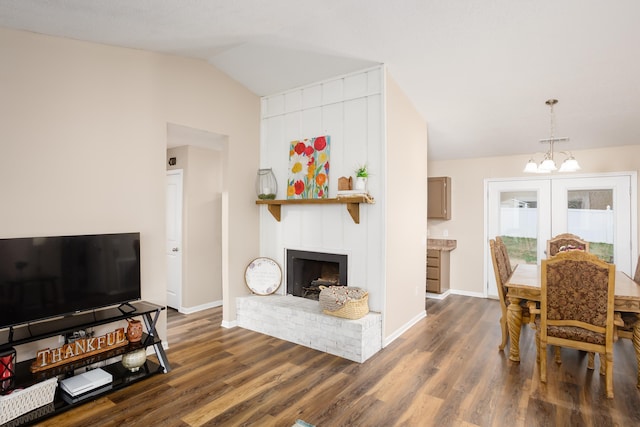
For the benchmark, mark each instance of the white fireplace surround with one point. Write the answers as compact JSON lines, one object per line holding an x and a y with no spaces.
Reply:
{"x":349,"y":109}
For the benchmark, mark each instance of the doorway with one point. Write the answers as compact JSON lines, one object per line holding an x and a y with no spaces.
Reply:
{"x":527,"y":212}
{"x":202,"y":156}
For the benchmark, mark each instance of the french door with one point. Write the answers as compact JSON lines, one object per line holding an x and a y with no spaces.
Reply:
{"x":528,"y":212}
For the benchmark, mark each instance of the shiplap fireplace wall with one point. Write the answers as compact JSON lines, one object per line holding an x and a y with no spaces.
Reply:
{"x":349,"y":109}
{"x":369,"y":119}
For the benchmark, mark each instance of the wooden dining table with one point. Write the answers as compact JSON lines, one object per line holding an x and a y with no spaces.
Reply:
{"x":525,"y":284}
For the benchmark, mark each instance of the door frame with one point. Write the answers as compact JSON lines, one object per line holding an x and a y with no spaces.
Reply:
{"x":633,"y":177}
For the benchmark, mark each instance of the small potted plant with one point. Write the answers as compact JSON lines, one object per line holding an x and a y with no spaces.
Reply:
{"x":362,"y":174}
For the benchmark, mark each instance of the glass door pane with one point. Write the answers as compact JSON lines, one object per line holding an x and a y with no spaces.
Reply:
{"x":519,"y":225}
{"x":518,"y":211}
{"x":590,"y":215}
{"x":598,"y":209}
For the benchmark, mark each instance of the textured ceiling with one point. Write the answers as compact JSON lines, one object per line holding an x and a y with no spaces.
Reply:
{"x":479,"y":71}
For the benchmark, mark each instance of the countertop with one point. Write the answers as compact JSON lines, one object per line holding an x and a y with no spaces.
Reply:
{"x":441,"y":244}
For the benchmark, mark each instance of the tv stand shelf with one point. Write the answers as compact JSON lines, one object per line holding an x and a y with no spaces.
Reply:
{"x":61,"y":326}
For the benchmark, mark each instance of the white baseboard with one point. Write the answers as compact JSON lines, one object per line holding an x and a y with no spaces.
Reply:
{"x":438,"y":296}
{"x":195,"y":309}
{"x":229,"y":325}
{"x":404,"y":328}
{"x":467,"y":293}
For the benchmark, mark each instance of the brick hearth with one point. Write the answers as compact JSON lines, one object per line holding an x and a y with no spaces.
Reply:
{"x":301,"y":321}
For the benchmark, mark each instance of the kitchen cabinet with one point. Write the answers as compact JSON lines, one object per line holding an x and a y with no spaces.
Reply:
{"x":437,"y":271}
{"x":439,"y":197}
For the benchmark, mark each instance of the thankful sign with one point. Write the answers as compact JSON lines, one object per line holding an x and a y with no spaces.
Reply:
{"x":79,"y":349}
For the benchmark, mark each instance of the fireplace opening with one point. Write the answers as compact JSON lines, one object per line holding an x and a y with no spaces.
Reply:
{"x":307,"y":271}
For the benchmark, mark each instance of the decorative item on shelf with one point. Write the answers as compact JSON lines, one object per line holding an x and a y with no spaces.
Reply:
{"x":134,"y":330}
{"x":309,"y":168}
{"x":266,"y":185}
{"x":344,"y":183}
{"x":7,"y":369}
{"x":77,"y":350}
{"x":548,"y":164}
{"x":362,"y":175}
{"x":134,"y":359}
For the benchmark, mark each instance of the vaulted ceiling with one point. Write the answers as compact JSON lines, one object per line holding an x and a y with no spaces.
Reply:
{"x":479,"y":71}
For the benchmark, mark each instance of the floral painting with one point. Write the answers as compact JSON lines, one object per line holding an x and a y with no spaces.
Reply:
{"x":309,"y":168}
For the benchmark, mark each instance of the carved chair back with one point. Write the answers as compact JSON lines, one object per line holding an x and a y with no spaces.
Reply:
{"x":501,"y":272}
{"x":566,"y":239}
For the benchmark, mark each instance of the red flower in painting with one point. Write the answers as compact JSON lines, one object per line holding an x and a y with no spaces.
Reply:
{"x":300,"y":147}
{"x":309,"y":150}
{"x":326,"y":166}
{"x":320,"y":143}
{"x":299,"y":187}
{"x":311,"y":161}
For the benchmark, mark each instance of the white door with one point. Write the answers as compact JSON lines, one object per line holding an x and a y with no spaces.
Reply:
{"x":174,"y":238}
{"x":519,"y":212}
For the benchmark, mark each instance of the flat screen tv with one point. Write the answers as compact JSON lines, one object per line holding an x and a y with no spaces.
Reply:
{"x":45,"y":277}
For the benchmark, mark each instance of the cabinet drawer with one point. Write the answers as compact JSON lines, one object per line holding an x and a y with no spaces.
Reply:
{"x":433,"y":285}
{"x":433,"y":262}
{"x":433,"y":273}
{"x":433,"y":253}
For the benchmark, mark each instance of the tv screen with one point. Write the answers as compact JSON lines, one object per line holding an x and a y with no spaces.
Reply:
{"x":44,"y":277}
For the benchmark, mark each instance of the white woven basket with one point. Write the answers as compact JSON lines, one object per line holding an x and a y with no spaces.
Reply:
{"x":22,"y":401}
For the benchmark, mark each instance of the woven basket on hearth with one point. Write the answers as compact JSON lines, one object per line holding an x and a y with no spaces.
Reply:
{"x":347,"y":302}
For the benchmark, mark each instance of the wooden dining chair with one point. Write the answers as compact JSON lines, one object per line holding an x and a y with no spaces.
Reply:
{"x":502,"y":270}
{"x":576,"y":308}
{"x":555,"y":244}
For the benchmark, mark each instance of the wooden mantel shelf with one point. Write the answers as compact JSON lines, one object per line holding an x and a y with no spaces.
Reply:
{"x":352,"y":202}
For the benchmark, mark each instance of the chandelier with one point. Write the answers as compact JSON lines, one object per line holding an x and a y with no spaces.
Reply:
{"x":548,"y":164}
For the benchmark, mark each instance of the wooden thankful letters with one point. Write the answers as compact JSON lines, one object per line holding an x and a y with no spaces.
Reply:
{"x":78,"y":349}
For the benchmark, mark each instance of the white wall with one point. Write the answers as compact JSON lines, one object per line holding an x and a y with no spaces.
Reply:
{"x":350,"y":110}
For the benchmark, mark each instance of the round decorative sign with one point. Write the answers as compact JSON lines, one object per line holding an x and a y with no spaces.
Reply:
{"x":263,"y":276}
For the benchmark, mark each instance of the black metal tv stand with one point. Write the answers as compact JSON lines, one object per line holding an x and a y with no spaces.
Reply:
{"x":121,"y":376}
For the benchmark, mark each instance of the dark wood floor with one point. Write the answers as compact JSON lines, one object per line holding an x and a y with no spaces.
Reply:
{"x":445,"y":371}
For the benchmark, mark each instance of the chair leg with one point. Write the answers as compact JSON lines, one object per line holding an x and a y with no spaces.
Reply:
{"x":604,"y":364}
{"x":609,"y":374}
{"x":591,"y":360}
{"x":538,"y":350}
{"x":557,"y":355}
{"x":543,"y":362}
{"x":505,"y":333}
